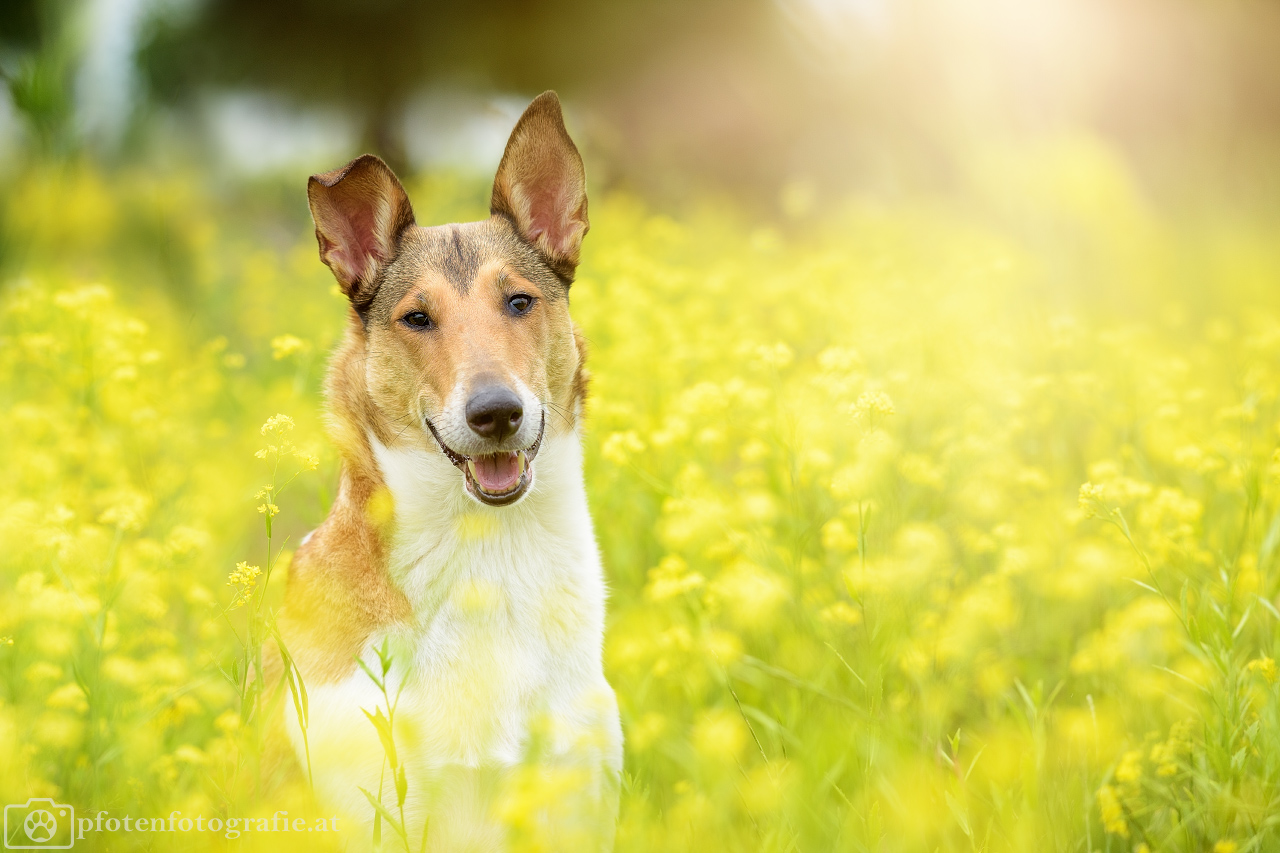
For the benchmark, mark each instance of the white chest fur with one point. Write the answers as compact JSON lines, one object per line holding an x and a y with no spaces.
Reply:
{"x":500,"y":668}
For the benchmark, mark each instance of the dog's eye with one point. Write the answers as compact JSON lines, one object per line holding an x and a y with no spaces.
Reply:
{"x":520,"y":303}
{"x":418,"y":319}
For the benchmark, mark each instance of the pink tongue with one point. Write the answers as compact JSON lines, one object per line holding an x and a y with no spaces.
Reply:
{"x":497,"y":472}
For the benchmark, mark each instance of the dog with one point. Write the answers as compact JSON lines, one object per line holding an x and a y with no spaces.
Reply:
{"x":459,"y":545}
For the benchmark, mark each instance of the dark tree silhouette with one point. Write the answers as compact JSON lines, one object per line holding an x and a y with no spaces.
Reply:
{"x":370,"y":57}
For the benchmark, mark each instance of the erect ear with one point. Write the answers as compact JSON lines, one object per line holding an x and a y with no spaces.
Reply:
{"x":541,"y":185}
{"x":360,"y":212}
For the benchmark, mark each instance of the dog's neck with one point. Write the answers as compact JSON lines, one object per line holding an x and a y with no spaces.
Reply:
{"x":442,"y":537}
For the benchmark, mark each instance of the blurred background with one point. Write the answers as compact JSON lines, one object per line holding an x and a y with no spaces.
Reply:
{"x":989,"y":250}
{"x":780,"y":103}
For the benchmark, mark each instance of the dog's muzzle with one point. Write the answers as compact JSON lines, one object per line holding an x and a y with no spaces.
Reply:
{"x":495,"y":479}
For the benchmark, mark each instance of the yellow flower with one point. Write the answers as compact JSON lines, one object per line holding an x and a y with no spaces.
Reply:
{"x":619,"y":447}
{"x":670,"y":578}
{"x":470,"y":525}
{"x":244,"y":573}
{"x":310,"y":461}
{"x":1264,"y":666}
{"x":873,"y":403}
{"x":190,"y":754}
{"x":836,"y":536}
{"x":841,"y":613}
{"x":776,"y":355}
{"x":227,"y":722}
{"x":277,"y":424}
{"x":750,"y":593}
{"x":283,"y":346}
{"x":1091,"y":500}
{"x":1130,"y":769}
{"x":244,"y":578}
{"x":720,"y":735}
{"x":646,"y":731}
{"x":1225,"y":846}
{"x":1112,"y":812}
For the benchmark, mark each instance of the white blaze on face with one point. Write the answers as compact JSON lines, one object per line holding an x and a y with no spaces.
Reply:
{"x":451,"y":424}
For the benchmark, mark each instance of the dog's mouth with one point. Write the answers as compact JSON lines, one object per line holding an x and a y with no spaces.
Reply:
{"x":495,"y":479}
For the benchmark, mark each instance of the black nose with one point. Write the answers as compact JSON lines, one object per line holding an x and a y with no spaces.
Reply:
{"x":494,"y":412}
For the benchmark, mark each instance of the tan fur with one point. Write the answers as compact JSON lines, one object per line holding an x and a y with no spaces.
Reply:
{"x":386,"y":377}
{"x":337,"y":594}
{"x":469,"y":546}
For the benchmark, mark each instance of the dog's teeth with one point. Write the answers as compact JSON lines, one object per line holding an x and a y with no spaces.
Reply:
{"x":520,"y":461}
{"x":471,"y":468}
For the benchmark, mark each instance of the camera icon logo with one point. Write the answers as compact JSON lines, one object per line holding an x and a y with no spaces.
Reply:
{"x":39,"y":824}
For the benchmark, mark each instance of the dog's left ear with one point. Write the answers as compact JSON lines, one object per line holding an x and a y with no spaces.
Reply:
{"x":542,"y":187}
{"x":360,"y":212}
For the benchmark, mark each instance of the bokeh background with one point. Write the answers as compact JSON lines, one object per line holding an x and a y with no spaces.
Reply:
{"x":874,"y":96}
{"x":934,"y":418}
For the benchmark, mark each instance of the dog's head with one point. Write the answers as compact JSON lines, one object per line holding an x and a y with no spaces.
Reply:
{"x":468,"y":345}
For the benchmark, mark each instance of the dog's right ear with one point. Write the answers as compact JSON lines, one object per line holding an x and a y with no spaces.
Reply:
{"x":360,"y":211}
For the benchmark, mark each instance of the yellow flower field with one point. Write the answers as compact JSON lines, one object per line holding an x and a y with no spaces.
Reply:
{"x":930,"y":526}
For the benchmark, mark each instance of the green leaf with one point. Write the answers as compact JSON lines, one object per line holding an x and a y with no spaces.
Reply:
{"x":958,"y":811}
{"x":384,"y":656}
{"x":1244,"y":620}
{"x":383,"y":726}
{"x":297,"y":687}
{"x":299,"y":704}
{"x":373,"y":676}
{"x":974,"y":763}
{"x":402,"y":786}
{"x":386,"y":815}
{"x":426,"y":822}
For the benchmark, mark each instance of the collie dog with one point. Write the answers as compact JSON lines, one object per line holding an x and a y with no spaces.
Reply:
{"x":447,"y":617}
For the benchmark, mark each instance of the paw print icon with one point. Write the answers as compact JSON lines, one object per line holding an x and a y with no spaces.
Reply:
{"x":38,"y":824}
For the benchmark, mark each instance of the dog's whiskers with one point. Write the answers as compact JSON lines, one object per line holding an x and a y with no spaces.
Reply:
{"x":561,"y":411}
